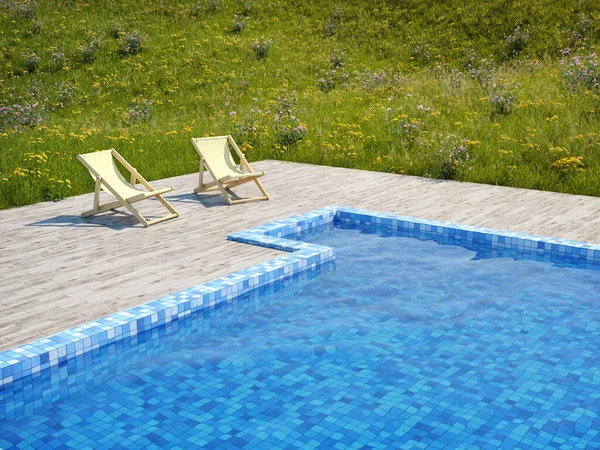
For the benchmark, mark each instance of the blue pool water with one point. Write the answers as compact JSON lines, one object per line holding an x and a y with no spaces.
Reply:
{"x":405,"y":343}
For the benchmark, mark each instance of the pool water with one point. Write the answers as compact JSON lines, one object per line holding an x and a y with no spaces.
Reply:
{"x":406,"y":344}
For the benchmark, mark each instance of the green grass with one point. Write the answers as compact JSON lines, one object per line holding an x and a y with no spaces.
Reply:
{"x":402,"y":64}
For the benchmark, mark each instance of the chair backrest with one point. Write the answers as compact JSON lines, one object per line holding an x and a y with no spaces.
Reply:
{"x":217,"y":155}
{"x":102,"y":164}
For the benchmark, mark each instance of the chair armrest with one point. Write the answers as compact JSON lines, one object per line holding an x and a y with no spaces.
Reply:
{"x":154,"y":193}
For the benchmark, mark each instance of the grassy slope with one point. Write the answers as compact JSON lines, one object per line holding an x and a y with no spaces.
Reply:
{"x":197,"y":72}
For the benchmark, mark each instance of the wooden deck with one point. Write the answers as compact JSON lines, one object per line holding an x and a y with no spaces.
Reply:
{"x":58,"y":270}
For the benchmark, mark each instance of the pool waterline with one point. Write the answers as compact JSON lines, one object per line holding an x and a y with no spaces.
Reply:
{"x":29,"y":362}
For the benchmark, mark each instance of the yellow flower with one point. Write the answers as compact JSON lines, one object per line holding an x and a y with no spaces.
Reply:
{"x":559,"y":149}
{"x":570,"y":164}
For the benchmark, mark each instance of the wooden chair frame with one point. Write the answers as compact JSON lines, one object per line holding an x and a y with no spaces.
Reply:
{"x":224,"y":184}
{"x":127,"y":202}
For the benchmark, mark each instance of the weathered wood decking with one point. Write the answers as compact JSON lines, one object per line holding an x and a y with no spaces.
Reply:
{"x":58,"y":270}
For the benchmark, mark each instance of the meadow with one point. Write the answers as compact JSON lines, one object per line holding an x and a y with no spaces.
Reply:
{"x":501,"y":92}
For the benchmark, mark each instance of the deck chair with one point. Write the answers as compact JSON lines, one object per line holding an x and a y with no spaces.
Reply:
{"x":103,"y":169}
{"x":215,"y":155}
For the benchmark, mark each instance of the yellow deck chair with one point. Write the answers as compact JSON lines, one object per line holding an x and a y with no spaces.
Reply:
{"x":103,"y":169}
{"x":215,"y":154}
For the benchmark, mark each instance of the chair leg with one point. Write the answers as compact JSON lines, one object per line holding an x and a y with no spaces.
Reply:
{"x":137,"y":214}
{"x":247,"y":180}
{"x":97,"y":193}
{"x":206,"y":187}
{"x":162,"y":219}
{"x":224,"y":193}
{"x":201,"y":185}
{"x":246,"y":200}
{"x":262,"y":189}
{"x":223,"y":187}
{"x":128,"y":204}
{"x":102,"y":208}
{"x":167,"y":205}
{"x":201,"y":176}
{"x":96,"y":208}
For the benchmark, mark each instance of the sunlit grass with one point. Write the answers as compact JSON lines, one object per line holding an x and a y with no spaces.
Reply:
{"x":412,"y":78}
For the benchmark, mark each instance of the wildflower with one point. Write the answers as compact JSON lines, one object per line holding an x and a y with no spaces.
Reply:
{"x":131,"y":43}
{"x":139,"y":110}
{"x":18,"y":116}
{"x":334,"y":21}
{"x":517,"y":41}
{"x":378,"y":80}
{"x":503,"y":97}
{"x":452,"y":155}
{"x":262,"y":47}
{"x":57,"y":60}
{"x":337,"y":59}
{"x":89,"y":52}
{"x":232,"y":113}
{"x":569,"y":165}
{"x":582,"y":70}
{"x":287,"y":127}
{"x":116,"y":30}
{"x":238,"y":24}
{"x":25,"y":9}
{"x":30,"y":61}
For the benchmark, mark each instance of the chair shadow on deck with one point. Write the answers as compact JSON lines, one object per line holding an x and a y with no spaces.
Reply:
{"x":119,"y":220}
{"x":115,"y":220}
{"x":208,"y":201}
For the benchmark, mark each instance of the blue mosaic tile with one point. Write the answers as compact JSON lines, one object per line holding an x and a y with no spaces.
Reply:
{"x":408,"y":409}
{"x":567,"y":252}
{"x":36,"y":357}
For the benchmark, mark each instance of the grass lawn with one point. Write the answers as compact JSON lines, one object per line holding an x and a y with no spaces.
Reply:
{"x":498,"y":92}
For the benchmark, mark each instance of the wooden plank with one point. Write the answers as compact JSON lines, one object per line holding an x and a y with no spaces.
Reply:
{"x":58,"y":270}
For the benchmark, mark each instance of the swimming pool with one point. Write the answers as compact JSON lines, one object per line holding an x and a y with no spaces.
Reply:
{"x":419,"y":335}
